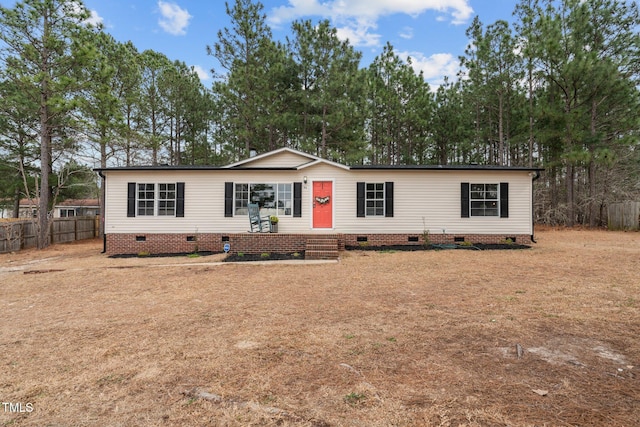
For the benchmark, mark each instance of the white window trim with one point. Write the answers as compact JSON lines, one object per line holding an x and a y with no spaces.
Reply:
{"x":156,"y":199}
{"x":497,"y":200}
{"x":175,"y":199}
{"x":384,"y":200}
{"x":66,"y":212}
{"x":249,"y":184}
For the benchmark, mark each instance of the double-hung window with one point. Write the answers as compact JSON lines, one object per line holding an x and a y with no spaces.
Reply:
{"x":284,"y":199}
{"x":146,"y":199}
{"x":374,"y":199}
{"x":156,"y":199}
{"x":484,"y":200}
{"x":242,"y":199}
{"x":167,"y":199}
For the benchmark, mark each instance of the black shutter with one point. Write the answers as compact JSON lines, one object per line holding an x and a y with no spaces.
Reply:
{"x":504,"y":200}
{"x":228,"y":199}
{"x":360,"y":199}
{"x":464,"y":200}
{"x":388,"y":199}
{"x":180,"y":199}
{"x":297,"y":199}
{"x":131,"y":199}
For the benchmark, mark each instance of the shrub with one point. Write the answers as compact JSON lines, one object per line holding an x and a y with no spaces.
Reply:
{"x":354,"y":398}
{"x":426,"y":240}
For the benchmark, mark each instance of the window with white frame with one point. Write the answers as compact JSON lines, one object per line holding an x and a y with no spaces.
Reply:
{"x":167,"y":199}
{"x":273,"y":199}
{"x":146,"y":199}
{"x":284,"y":199}
{"x":374,"y":199}
{"x":156,"y":199}
{"x":241,"y":199}
{"x":484,"y":200}
{"x":64,"y":213}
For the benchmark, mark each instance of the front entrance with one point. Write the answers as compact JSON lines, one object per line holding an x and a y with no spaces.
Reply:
{"x":322,"y":204}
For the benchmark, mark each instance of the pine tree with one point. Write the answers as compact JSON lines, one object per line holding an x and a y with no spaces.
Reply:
{"x":243,"y":50}
{"x":43,"y":50}
{"x":332,"y":89}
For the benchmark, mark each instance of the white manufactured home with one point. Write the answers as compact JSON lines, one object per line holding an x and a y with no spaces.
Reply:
{"x":173,"y":209}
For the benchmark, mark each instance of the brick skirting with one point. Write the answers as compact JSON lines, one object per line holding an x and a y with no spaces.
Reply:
{"x":418,"y":239}
{"x":256,"y":243}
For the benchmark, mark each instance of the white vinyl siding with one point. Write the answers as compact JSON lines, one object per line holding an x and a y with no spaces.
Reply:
{"x":279,"y":160}
{"x":419,"y":195}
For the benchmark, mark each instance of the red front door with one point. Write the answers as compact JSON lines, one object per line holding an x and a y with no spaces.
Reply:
{"x":322,"y":204}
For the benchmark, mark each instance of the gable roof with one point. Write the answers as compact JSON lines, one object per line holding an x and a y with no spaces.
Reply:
{"x":33,"y":203}
{"x":305,"y":159}
{"x":290,"y":159}
{"x":79,"y":203}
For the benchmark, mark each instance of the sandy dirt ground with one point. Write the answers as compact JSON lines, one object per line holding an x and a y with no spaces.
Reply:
{"x":548,"y":336}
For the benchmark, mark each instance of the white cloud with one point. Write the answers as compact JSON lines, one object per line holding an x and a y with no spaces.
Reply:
{"x":406,"y":33}
{"x":201,"y":72}
{"x":460,"y":10}
{"x":76,"y":9}
{"x":297,"y":9}
{"x":434,"y":67}
{"x":356,"y":19}
{"x":174,"y":19}
{"x":94,"y":19}
{"x":358,"y":32}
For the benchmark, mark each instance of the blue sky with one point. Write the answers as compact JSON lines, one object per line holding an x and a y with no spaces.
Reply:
{"x":432,"y":32}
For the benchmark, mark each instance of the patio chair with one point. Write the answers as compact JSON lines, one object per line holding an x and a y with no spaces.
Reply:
{"x":261,"y":224}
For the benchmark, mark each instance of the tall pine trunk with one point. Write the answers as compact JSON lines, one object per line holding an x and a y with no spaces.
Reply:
{"x":45,"y":170}
{"x":500,"y":128}
{"x":45,"y":144}
{"x":593,"y":206}
{"x":570,"y":184}
{"x":323,"y":142}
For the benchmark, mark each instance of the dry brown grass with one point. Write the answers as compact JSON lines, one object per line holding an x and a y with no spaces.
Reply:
{"x":378,"y":339}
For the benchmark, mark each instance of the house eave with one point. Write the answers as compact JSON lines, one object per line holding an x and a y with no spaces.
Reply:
{"x":188,"y":168}
{"x":235,"y":165}
{"x":322,"y":161}
{"x":446,"y":167}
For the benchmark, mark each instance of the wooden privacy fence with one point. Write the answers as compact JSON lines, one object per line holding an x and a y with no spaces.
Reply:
{"x":16,"y":235}
{"x":624,"y":216}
